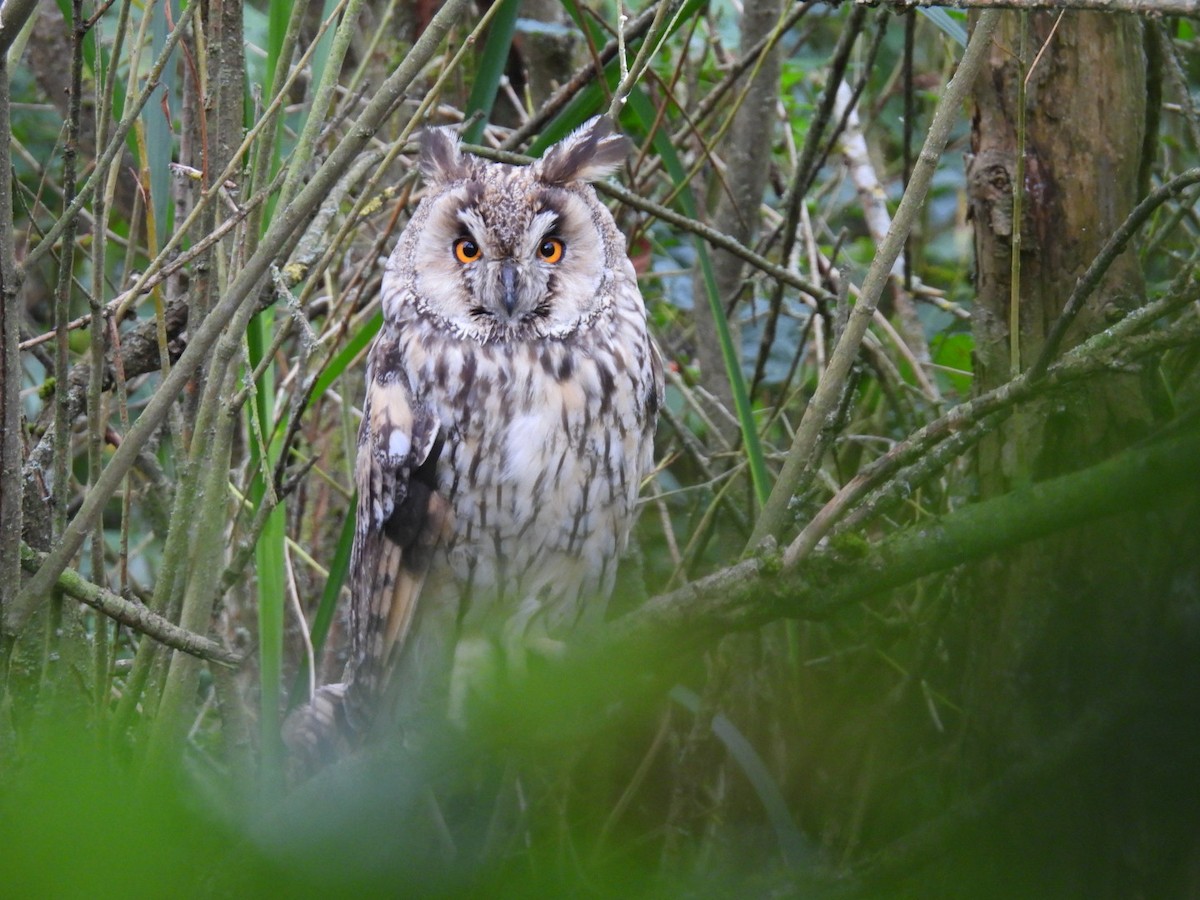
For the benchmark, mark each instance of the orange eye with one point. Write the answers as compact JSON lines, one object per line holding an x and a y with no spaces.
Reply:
{"x":466,"y":250}
{"x":550,"y":250}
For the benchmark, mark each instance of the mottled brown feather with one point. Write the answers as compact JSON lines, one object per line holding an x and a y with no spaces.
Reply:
{"x":507,"y":426}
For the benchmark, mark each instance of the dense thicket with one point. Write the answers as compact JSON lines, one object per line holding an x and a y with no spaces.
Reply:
{"x":913,"y":608}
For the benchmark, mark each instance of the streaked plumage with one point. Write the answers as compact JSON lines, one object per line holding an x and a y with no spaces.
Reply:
{"x":511,"y":402}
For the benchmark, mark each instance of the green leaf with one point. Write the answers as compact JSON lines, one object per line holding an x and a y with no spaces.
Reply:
{"x":269,"y":554}
{"x":320,"y":56}
{"x":491,"y":68}
{"x":946,"y":23}
{"x":955,"y":351}
{"x":343,"y":358}
{"x":277,"y":23}
{"x":160,"y":138}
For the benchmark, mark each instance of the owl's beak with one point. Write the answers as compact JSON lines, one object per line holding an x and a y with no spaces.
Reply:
{"x":509,"y":294}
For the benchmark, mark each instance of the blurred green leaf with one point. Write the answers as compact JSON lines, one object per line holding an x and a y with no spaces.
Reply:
{"x":946,"y":23}
{"x":492,"y":61}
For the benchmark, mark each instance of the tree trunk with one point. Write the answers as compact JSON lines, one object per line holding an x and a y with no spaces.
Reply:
{"x":1086,"y":109}
{"x":1066,"y":631}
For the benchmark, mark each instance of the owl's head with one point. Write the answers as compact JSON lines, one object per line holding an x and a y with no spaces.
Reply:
{"x":501,"y":253}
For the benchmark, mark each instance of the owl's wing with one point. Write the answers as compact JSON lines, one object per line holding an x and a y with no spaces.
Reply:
{"x":401,"y":518}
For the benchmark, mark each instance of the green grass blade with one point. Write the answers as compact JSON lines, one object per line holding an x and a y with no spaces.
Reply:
{"x":643,"y":111}
{"x":737,"y":381}
{"x":160,"y":139}
{"x":319,"y":631}
{"x":491,"y":68}
{"x":341,"y":360}
{"x":271,"y":591}
{"x":269,"y":551}
{"x":949,"y":26}
{"x":795,"y":847}
{"x":321,"y":54}
{"x":278,"y":15}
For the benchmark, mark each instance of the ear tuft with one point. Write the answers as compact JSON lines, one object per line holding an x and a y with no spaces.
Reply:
{"x":440,"y":161}
{"x":587,"y":154}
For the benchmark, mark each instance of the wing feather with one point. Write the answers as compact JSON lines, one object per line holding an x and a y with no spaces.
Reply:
{"x":401,"y":521}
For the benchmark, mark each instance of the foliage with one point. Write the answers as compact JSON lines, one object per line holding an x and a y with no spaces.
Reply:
{"x":201,"y":233}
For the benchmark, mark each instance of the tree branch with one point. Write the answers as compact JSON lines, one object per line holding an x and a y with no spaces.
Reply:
{"x":10,"y":372}
{"x":829,"y":389}
{"x":1115,"y":247}
{"x":1112,"y":348}
{"x":1148,"y":7}
{"x":134,"y":615}
{"x":286,"y":222}
{"x":585,"y":76}
{"x":15,"y":14}
{"x":758,"y":590}
{"x":115,"y":147}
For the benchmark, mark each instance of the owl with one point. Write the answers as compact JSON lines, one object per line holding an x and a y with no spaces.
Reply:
{"x":511,"y":401}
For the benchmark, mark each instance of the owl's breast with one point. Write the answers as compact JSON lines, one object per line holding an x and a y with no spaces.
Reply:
{"x":542,"y":469}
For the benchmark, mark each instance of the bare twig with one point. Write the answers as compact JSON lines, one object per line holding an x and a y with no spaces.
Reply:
{"x":654,"y":37}
{"x":62,"y":293}
{"x":829,"y":388}
{"x":756,"y":590}
{"x":1096,"y":355}
{"x":121,"y":302}
{"x":1113,"y":248}
{"x":10,"y":371}
{"x":805,"y":168}
{"x":794,"y":204}
{"x":285,"y":222}
{"x":133,"y":615}
{"x":716,"y":239}
{"x":1173,"y":69}
{"x":115,"y":146}
{"x":1148,"y":7}
{"x":585,"y":76}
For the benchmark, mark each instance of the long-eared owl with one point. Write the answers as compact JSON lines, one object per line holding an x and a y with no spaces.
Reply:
{"x":511,"y":402}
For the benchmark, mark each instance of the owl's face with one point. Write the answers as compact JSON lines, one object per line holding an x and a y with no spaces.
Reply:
{"x":503,"y":253}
